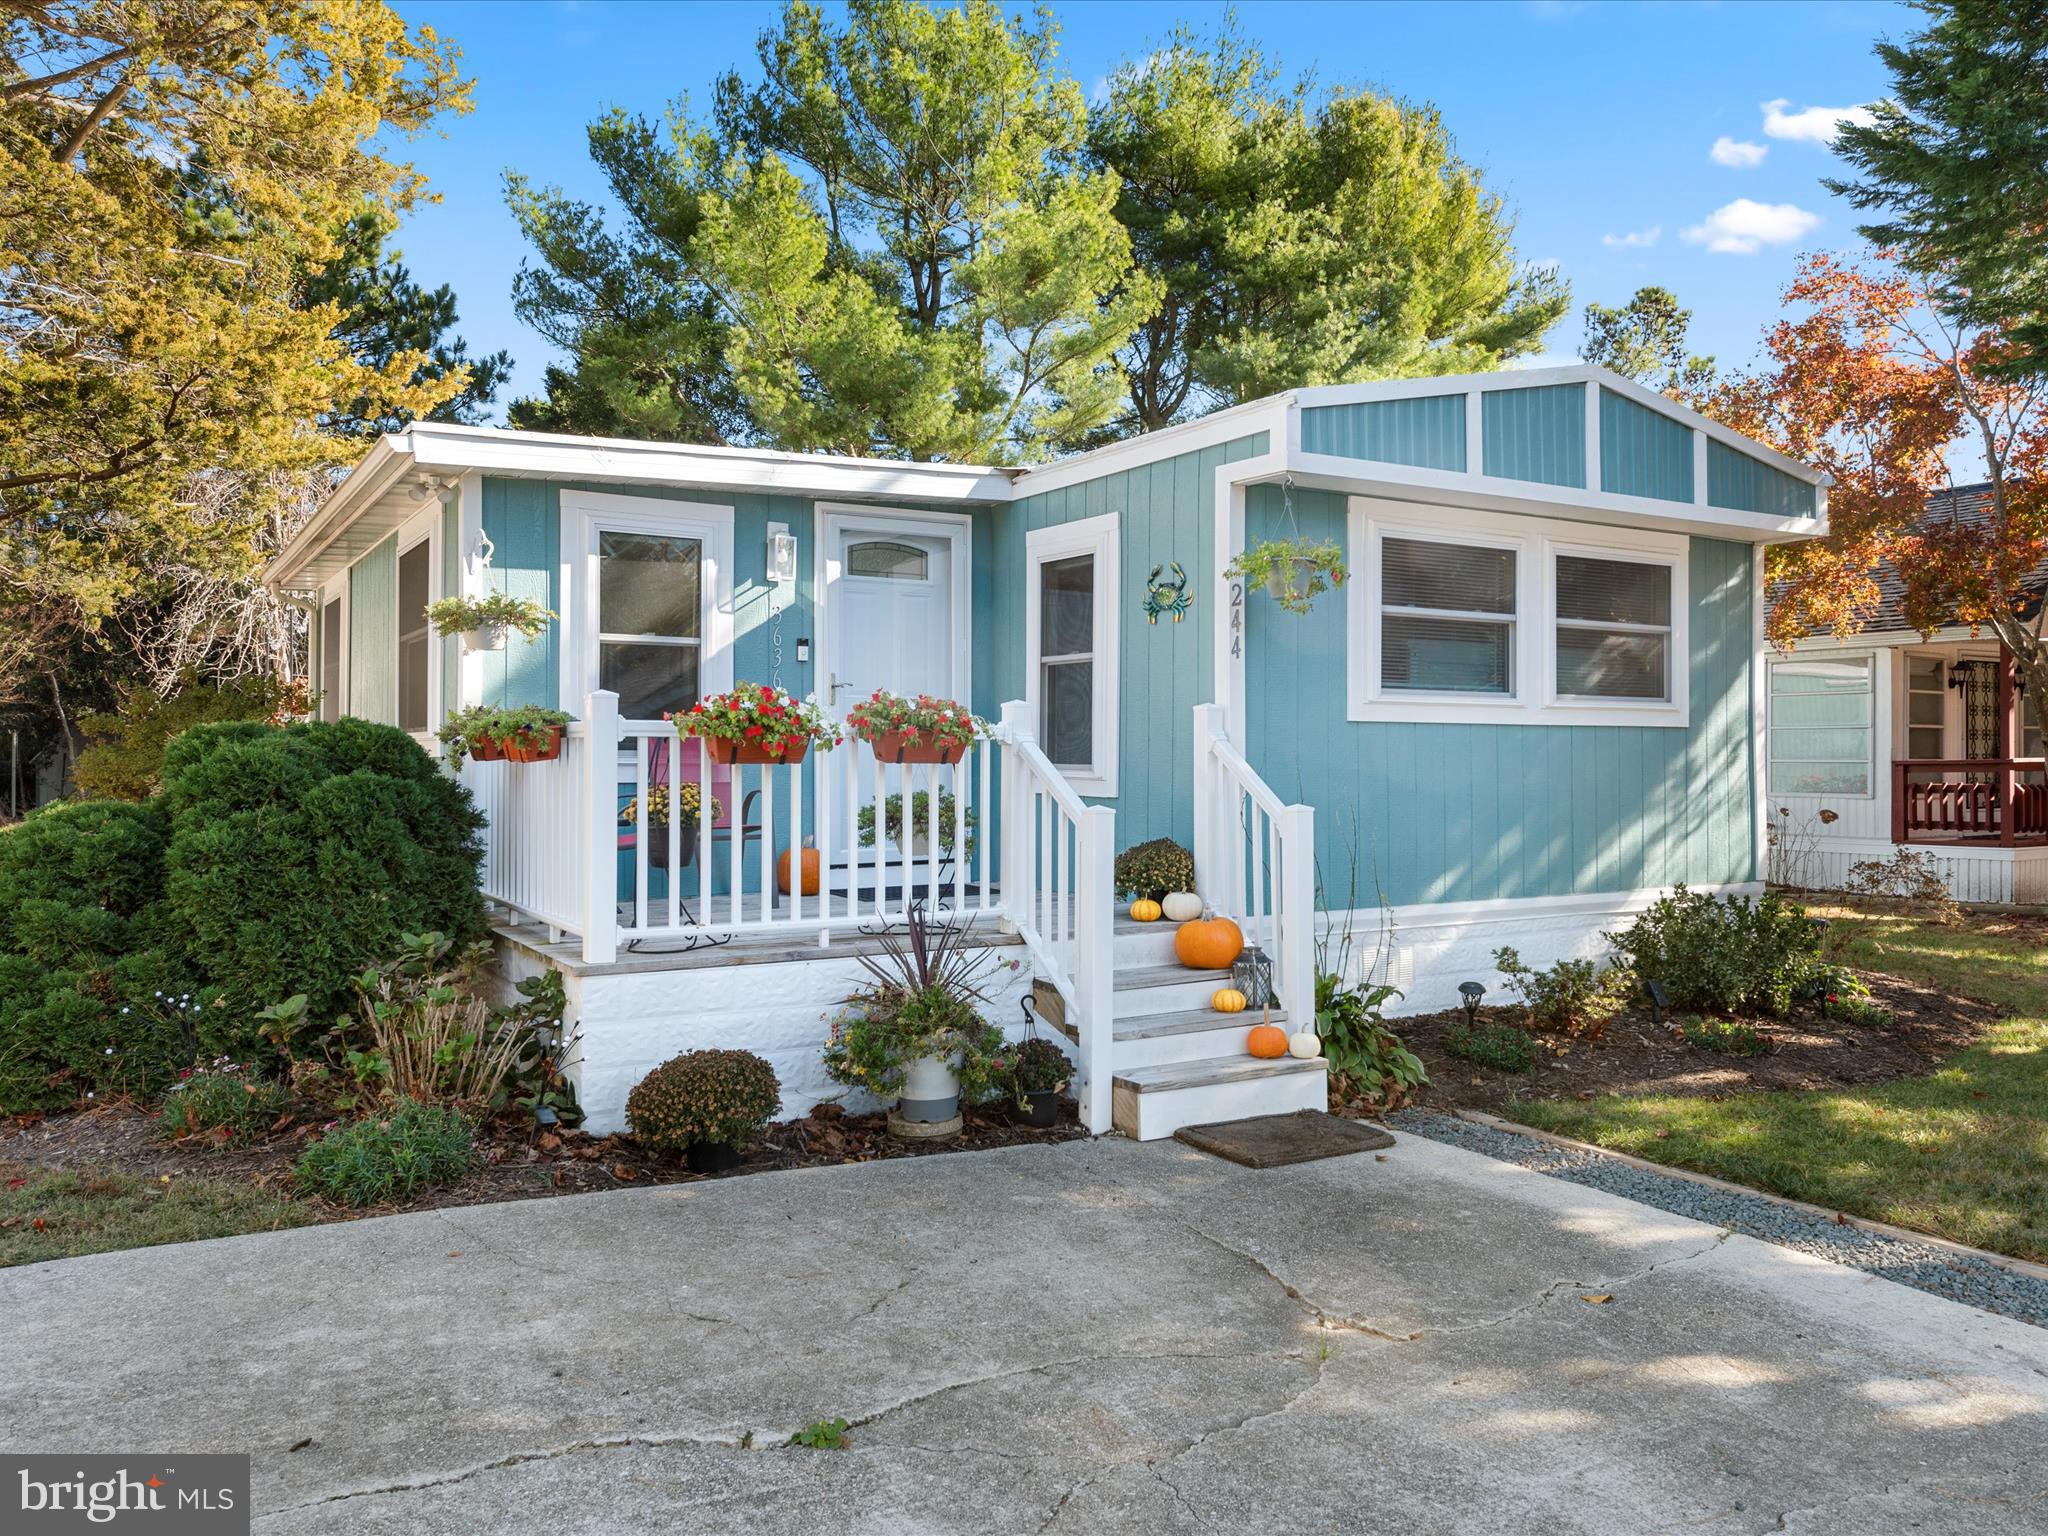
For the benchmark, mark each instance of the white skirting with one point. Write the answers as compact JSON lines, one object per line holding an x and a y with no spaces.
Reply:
{"x":1987,"y":874}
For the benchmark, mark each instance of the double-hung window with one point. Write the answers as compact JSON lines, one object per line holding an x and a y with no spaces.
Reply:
{"x":1613,"y":622}
{"x":650,"y":621}
{"x":1926,"y":707}
{"x":1070,"y":627}
{"x":1447,"y":617}
{"x":1821,"y":726}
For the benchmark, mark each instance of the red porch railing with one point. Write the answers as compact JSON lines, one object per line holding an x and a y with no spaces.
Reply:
{"x":1970,"y":799}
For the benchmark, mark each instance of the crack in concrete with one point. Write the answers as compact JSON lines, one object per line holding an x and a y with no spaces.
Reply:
{"x":517,"y":1258}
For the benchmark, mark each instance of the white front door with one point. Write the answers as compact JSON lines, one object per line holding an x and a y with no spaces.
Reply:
{"x":893,"y":614}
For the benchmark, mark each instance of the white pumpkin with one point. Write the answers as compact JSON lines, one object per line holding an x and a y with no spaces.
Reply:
{"x":1182,"y":907}
{"x":1306,"y":1044}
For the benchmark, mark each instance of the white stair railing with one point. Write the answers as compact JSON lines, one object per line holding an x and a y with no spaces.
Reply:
{"x":1058,"y":854}
{"x":1255,"y":862}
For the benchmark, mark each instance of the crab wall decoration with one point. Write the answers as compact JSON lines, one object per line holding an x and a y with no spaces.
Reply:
{"x":1167,"y":596}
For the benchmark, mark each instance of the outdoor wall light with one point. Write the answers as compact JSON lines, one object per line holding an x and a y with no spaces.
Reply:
{"x":781,"y":553}
{"x":1471,"y":991}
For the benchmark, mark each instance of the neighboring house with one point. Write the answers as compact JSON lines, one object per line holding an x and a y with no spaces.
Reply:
{"x":1892,"y":740}
{"x":1534,"y":707}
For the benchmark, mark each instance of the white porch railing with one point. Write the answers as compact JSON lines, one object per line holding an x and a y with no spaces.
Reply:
{"x":1255,"y":862}
{"x":1058,"y":854}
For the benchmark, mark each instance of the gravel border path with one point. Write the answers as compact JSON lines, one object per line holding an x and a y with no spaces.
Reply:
{"x":1972,"y":1281}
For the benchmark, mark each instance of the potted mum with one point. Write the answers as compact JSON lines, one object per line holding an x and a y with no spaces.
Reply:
{"x":1031,"y":1074}
{"x":915,"y":1033}
{"x":757,"y":724}
{"x":526,"y":733}
{"x":689,"y":796}
{"x":706,"y":1105}
{"x":482,"y":621}
{"x":919,"y":730}
{"x":920,"y":823}
{"x":1294,"y":572}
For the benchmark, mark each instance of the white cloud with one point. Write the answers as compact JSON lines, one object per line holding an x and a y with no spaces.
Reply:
{"x":1744,"y":227}
{"x":1813,"y":125}
{"x":1739,"y":153}
{"x":1635,"y":239}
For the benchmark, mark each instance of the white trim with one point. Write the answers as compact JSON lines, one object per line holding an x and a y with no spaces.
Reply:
{"x":830,"y":518}
{"x":1275,"y":415}
{"x":469,"y":525}
{"x":335,"y":589}
{"x":423,"y":527}
{"x":1759,"y":714}
{"x":1227,"y":632}
{"x":584,"y":514}
{"x":1099,"y":538}
{"x":1536,"y":543}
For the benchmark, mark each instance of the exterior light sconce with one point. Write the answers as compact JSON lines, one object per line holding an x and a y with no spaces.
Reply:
{"x":1660,"y":1000}
{"x":1471,"y":992}
{"x":781,"y":553}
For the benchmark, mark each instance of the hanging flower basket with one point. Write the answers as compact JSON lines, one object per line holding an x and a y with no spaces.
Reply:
{"x":727,"y":752}
{"x":483,"y":621}
{"x":756,"y":724}
{"x":1293,"y":571}
{"x":490,"y":637}
{"x":523,"y":734}
{"x":919,"y":730}
{"x":536,"y":745}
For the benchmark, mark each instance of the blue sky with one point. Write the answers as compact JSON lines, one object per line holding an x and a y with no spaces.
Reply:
{"x":1599,"y":123}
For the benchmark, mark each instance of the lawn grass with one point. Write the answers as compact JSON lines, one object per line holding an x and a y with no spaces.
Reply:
{"x":92,"y":1212}
{"x":1961,"y":1153}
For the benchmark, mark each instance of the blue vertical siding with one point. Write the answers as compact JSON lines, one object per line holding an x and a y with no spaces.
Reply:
{"x":1643,"y":452}
{"x":1440,"y":813}
{"x":373,"y":635}
{"x":1536,"y":433}
{"x":1428,"y":433}
{"x":1165,"y":513}
{"x":1737,"y":481}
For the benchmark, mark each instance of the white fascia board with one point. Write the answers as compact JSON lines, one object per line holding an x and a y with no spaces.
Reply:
{"x":1892,"y":639}
{"x":1269,"y":414}
{"x":381,"y":468}
{"x":1571,"y":373}
{"x":539,"y":455}
{"x":1405,"y":482}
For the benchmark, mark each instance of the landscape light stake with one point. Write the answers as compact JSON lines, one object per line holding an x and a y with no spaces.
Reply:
{"x":1471,"y":992}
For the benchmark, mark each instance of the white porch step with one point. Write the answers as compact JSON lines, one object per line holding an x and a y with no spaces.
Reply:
{"x":1148,"y":1103}
{"x":1160,"y":1039}
{"x":1152,"y":989}
{"x":1141,"y":944}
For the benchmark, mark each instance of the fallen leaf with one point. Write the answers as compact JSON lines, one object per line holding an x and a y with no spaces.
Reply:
{"x":622,"y":1172}
{"x":39,"y":1225}
{"x":455,"y":1253}
{"x":1597,"y":1299}
{"x":550,"y":1142}
{"x":10,"y":1221}
{"x":16,"y":1183}
{"x":300,"y":1445}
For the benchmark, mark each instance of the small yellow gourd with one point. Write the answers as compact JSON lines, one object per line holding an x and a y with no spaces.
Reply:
{"x":1145,"y":910}
{"x":1228,"y":1000}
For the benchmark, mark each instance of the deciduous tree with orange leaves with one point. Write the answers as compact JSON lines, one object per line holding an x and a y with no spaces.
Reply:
{"x":1871,"y":378}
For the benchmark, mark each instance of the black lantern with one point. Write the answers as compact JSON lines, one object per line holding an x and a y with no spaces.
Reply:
{"x":1471,"y":992}
{"x":1252,"y":974}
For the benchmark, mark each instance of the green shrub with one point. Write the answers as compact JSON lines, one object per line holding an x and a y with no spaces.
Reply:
{"x":1575,"y":995}
{"x":1727,"y":1037}
{"x":1357,"y":1043}
{"x":1154,"y":869}
{"x":1500,"y":1046}
{"x":91,"y":1002}
{"x":1850,"y":1008}
{"x":1721,"y":954}
{"x":228,"y":1096}
{"x":300,"y":854}
{"x":720,"y":1096}
{"x":124,"y":754}
{"x":388,"y":1157}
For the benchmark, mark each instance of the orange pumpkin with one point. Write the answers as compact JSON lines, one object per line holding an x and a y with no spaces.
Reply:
{"x":1208,"y":943}
{"x":811,"y":872}
{"x":1267,"y":1041}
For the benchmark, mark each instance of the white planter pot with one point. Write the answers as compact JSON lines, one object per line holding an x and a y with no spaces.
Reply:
{"x":491,"y":637}
{"x":931,"y":1089}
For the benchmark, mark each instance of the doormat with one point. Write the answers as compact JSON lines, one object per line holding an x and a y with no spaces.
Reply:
{"x":1274,"y":1141}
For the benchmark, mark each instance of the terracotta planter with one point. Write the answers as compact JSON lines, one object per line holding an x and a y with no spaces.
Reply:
{"x":487,"y":749}
{"x":728,"y":752}
{"x":524,"y":748}
{"x":915,"y":747}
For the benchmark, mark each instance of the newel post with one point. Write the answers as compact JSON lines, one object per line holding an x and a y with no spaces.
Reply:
{"x":1298,"y":915}
{"x":1013,"y":855}
{"x":1095,"y":963}
{"x":600,"y":828}
{"x":1210,"y":722}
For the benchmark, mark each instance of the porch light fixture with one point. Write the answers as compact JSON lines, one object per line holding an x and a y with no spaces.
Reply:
{"x":781,"y":554}
{"x":1660,"y":1000}
{"x":1471,"y":992}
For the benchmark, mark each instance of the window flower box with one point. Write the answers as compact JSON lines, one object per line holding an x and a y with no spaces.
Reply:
{"x":757,"y":724}
{"x":919,"y":730}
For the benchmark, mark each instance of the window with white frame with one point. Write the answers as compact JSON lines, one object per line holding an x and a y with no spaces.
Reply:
{"x":2030,"y":728}
{"x":1071,"y":644}
{"x":1447,"y":617}
{"x":1926,"y":707}
{"x":415,"y":636}
{"x":1460,"y":615}
{"x":1613,"y":621}
{"x":1821,"y":725}
{"x":650,"y":621}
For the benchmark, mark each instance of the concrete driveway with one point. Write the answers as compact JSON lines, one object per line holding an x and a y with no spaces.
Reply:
{"x":1093,"y":1337}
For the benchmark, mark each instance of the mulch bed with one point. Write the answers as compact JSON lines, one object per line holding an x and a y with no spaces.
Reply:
{"x":1638,"y":1056}
{"x":525,"y":1165}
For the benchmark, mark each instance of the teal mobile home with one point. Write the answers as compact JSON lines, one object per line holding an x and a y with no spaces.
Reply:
{"x":1535,"y":704}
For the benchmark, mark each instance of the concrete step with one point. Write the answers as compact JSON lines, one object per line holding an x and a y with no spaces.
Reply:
{"x":1147,"y":1103}
{"x":1153,"y":989}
